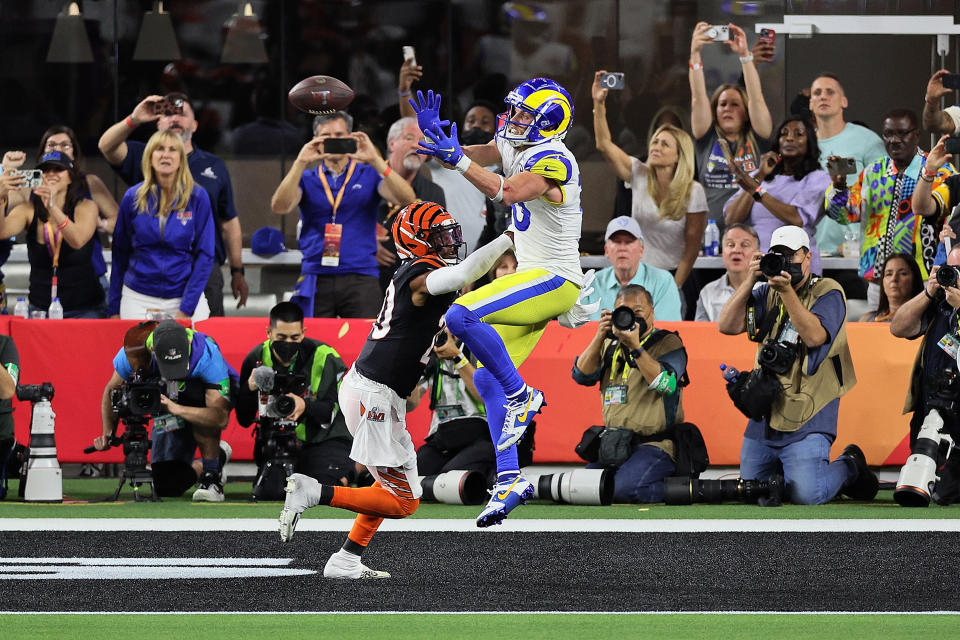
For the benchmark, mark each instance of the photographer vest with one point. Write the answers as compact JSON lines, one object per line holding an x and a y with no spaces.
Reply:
{"x":805,"y":395}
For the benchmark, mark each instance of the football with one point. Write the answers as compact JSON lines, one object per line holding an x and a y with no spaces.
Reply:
{"x":320,"y":94}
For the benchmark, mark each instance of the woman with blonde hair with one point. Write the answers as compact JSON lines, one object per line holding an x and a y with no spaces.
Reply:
{"x":163,"y":241}
{"x":731,"y":127}
{"x":667,"y":202}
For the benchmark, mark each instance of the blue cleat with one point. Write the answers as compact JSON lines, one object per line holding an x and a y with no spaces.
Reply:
{"x":520,"y":413}
{"x":504,"y":498}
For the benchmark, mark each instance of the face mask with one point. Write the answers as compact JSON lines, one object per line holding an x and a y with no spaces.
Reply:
{"x":475,"y":136}
{"x":796,"y":273}
{"x":285,"y":351}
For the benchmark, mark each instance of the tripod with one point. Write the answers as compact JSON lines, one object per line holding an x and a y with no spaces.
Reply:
{"x":279,"y":450}
{"x":136,"y":445}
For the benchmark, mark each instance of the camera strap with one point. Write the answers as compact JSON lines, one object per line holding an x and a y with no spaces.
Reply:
{"x":759,"y":334}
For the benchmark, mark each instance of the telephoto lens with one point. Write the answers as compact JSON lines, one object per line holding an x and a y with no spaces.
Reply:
{"x":622,"y":318}
{"x":440,"y":339}
{"x":948,"y":275}
{"x":285,"y":405}
{"x":580,"y":486}
{"x":771,"y":264}
{"x":455,"y":487}
{"x":680,"y":490}
{"x":919,"y":474}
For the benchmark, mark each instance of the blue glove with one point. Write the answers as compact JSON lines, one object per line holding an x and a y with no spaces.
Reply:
{"x":428,"y":110}
{"x":443,"y":147}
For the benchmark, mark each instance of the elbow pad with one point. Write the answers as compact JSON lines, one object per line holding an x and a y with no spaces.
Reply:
{"x":447,"y":279}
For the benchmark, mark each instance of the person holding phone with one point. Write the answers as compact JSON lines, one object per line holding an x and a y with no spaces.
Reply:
{"x":937,"y":120}
{"x":787,"y":189}
{"x":935,"y":196}
{"x":880,"y":202}
{"x":338,"y":192}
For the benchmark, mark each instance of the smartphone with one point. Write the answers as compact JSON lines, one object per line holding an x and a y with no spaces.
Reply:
{"x":34,"y":177}
{"x":409,"y":54}
{"x":167,"y":107}
{"x":842,"y":166}
{"x":953,"y":145}
{"x":950,"y":80}
{"x":612,"y":81}
{"x":719,"y":32}
{"x":339,"y":145}
{"x":769,"y":34}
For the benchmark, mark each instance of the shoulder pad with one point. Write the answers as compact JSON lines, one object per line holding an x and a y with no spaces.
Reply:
{"x":551,"y":164}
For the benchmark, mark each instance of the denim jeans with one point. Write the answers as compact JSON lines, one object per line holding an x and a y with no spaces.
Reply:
{"x":807,"y":471}
{"x":640,"y":478}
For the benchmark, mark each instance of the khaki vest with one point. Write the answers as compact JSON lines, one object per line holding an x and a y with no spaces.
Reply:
{"x":805,"y":395}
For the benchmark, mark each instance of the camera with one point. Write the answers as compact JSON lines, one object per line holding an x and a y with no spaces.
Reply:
{"x":138,"y":399}
{"x":276,"y":449}
{"x":279,"y":404}
{"x":613,"y":81}
{"x":440,"y":339}
{"x":339,"y":145}
{"x":842,"y":166}
{"x":777,"y":357}
{"x":918,"y":476}
{"x":580,"y":486}
{"x":34,"y":392}
{"x":950,"y":80}
{"x":623,"y":318}
{"x":947,"y":275}
{"x":719,"y":32}
{"x":678,"y":490}
{"x":168,"y":107}
{"x":771,"y":264}
{"x":409,"y":53}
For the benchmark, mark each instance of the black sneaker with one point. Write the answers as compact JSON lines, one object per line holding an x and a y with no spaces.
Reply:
{"x":211,"y":488}
{"x":865,"y":485}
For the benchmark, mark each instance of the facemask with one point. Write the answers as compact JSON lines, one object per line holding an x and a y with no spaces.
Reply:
{"x":475,"y":136}
{"x":285,"y":351}
{"x":796,"y":273}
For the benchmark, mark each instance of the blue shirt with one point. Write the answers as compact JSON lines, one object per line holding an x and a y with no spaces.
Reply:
{"x":659,"y":282}
{"x":211,"y":369}
{"x":208,"y":171}
{"x":831,"y":311}
{"x":357,"y":213}
{"x":172,"y":264}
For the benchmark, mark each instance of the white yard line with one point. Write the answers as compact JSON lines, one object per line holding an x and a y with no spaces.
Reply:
{"x":464,"y":525}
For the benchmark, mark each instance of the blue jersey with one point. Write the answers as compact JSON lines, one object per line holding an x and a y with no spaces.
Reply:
{"x":357,"y":213}
{"x":208,"y":171}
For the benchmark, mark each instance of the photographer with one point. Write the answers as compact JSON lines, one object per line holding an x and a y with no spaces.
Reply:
{"x":932,"y":314}
{"x":803,"y":367}
{"x":307,"y":372}
{"x":9,"y":376}
{"x":193,"y":412}
{"x":641,"y":371}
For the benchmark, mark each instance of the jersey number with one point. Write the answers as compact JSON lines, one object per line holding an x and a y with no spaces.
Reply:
{"x":382,"y":325}
{"x":521,"y":216}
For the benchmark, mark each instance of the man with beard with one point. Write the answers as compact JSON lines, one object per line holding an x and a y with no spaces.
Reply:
{"x":176,"y":112}
{"x":880,"y":200}
{"x":403,"y":139}
{"x":338,"y":200}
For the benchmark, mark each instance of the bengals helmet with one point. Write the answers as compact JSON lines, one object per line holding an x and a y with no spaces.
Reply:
{"x":548,"y":103}
{"x":425,"y":229}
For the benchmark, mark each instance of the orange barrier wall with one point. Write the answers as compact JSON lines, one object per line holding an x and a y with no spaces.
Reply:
{"x":76,"y":356}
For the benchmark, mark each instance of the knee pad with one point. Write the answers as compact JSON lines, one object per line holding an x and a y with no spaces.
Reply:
{"x":458,"y":317}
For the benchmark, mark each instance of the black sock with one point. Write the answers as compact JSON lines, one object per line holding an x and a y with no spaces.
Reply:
{"x":353,"y":547}
{"x":326,"y":494}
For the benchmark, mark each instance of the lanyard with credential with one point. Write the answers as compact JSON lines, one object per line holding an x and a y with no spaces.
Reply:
{"x":53,"y":248}
{"x":626,"y":365}
{"x":326,"y":187}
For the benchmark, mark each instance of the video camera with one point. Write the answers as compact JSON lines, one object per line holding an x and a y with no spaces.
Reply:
{"x":138,"y":399}
{"x":275,"y":385}
{"x":277,"y":444}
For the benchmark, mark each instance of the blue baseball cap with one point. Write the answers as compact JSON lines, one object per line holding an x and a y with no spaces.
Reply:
{"x":267,"y":241}
{"x":56,"y":159}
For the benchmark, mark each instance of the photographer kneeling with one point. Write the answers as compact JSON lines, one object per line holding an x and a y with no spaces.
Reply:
{"x":289,"y":387}
{"x":641,"y":371}
{"x":803,"y":367}
{"x":192,"y":412}
{"x":934,"y":382}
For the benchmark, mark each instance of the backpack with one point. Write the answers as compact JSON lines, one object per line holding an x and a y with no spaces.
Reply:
{"x":690,"y":450}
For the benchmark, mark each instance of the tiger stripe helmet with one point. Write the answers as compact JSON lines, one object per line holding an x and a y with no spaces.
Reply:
{"x":426,"y":230}
{"x":548,"y":103}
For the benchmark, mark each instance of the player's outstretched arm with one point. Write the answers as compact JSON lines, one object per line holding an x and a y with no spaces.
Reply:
{"x":452,"y":278}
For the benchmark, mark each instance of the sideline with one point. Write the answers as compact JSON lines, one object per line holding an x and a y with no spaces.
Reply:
{"x":468,"y":526}
{"x":481,"y":613}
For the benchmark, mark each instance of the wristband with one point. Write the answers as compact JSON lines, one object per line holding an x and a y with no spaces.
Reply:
{"x":927,"y":293}
{"x":499,"y":196}
{"x":463,"y":164}
{"x":696,"y":66}
{"x":236,"y":270}
{"x":63,"y":225}
{"x":403,"y":94}
{"x":129,"y":122}
{"x":462,"y":362}
{"x":927,"y":177}
{"x":747,"y":58}
{"x":386,"y":172}
{"x":758,"y":193}
{"x":929,"y":174}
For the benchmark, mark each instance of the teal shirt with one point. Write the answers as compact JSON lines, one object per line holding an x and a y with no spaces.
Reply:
{"x":855,"y":142}
{"x":659,"y":282}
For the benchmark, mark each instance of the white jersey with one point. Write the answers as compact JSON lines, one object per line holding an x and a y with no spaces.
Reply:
{"x":547,"y":234}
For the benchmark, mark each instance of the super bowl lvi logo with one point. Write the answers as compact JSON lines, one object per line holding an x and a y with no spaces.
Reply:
{"x":184,"y":217}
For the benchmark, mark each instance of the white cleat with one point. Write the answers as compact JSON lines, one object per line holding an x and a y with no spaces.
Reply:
{"x":300,"y":489}
{"x":342,"y":566}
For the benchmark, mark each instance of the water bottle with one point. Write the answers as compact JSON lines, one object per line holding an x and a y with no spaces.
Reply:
{"x":730,"y":374}
{"x":711,"y":239}
{"x":55,"y":312}
{"x":22,"y":309}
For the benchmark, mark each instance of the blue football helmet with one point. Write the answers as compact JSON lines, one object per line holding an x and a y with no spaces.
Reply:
{"x":548,"y":103}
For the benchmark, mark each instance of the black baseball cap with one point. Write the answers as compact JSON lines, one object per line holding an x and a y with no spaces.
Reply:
{"x":56,"y":159}
{"x":171,"y":348}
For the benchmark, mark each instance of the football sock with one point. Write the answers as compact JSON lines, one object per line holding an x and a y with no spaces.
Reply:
{"x":493,"y":399}
{"x":373,"y":501}
{"x":487,"y":345}
{"x":357,"y":548}
{"x":326,"y":494}
{"x":211,"y":466}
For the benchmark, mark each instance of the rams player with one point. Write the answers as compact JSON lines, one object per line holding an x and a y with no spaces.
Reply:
{"x":502,"y":322}
{"x":373,"y":394}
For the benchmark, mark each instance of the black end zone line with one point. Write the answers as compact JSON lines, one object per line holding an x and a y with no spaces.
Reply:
{"x":513,"y":572}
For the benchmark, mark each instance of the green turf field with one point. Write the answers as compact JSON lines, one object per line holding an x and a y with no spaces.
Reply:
{"x":82,"y":500}
{"x":526,"y":626}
